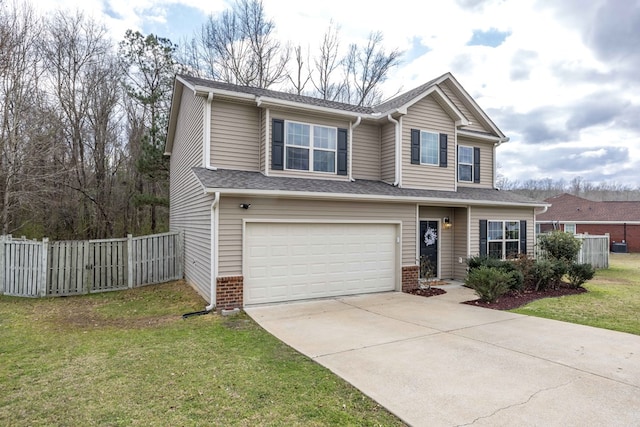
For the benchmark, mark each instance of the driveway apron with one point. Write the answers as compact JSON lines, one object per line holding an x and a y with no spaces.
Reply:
{"x":436,"y":362}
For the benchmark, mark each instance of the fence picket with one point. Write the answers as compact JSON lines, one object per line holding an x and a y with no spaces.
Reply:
{"x":31,"y":268}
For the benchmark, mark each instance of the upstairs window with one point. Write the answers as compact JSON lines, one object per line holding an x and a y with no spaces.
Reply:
{"x":468,"y":164}
{"x":310,"y":147}
{"x":428,"y":148}
{"x":465,"y":164}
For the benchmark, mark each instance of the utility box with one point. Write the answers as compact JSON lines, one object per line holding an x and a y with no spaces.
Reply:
{"x":619,"y":248}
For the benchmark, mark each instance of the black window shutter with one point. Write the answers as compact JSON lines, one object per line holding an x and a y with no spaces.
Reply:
{"x":415,"y":147}
{"x":476,"y":165}
{"x":523,"y":237}
{"x":277,"y":144}
{"x":443,"y":150}
{"x":483,"y":237}
{"x":342,"y":152}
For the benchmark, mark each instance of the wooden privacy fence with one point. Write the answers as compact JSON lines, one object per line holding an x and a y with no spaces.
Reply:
{"x":594,"y":250}
{"x":37,"y":269}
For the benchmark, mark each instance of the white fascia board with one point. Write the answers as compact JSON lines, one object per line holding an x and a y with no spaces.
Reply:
{"x":293,"y":104}
{"x":459,"y":118}
{"x":367,"y":197}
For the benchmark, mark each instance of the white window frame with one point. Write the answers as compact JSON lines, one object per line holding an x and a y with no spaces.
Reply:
{"x":310,"y":147}
{"x":460,"y":163}
{"x":437,"y":135}
{"x":504,"y":240}
{"x":572,"y":226}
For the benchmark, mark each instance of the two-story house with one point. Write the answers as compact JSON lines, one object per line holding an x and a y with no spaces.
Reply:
{"x":284,"y":197}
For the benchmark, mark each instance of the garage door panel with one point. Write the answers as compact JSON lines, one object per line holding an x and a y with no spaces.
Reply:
{"x":289,"y":261}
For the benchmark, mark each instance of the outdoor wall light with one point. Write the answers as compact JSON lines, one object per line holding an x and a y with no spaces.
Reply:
{"x":447,"y":222}
{"x":245,"y":205}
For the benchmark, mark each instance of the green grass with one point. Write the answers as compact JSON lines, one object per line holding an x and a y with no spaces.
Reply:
{"x":613,"y":300}
{"x":128,"y":359}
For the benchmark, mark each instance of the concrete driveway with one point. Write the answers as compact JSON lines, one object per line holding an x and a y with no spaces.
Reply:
{"x":435,"y":362}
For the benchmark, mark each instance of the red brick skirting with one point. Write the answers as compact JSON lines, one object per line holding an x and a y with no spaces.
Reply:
{"x":409,"y":277}
{"x":229,"y":292}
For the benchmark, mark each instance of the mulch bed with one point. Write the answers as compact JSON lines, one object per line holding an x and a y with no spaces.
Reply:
{"x":427,"y":292}
{"x":515,"y":299}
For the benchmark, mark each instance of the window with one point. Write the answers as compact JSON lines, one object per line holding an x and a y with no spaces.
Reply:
{"x":310,"y":147}
{"x":503,"y":239}
{"x":429,"y":148}
{"x":465,"y":163}
{"x":570,"y":228}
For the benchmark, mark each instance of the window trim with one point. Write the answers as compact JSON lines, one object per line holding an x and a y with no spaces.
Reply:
{"x":311,"y":148}
{"x":504,"y":240}
{"x":437,"y":146}
{"x":471,"y":180}
{"x":570,"y":224}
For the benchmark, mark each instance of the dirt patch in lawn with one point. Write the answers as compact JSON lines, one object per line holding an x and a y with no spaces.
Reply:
{"x":427,"y":292}
{"x":515,"y":299}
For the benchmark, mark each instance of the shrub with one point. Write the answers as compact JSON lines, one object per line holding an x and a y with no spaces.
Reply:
{"x":547,"y":272}
{"x":490,"y":283}
{"x":560,"y":246}
{"x":517,"y":278}
{"x":580,"y":273}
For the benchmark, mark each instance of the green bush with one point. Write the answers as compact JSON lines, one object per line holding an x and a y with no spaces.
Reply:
{"x":490,"y":283}
{"x":560,"y":246}
{"x":547,"y":273}
{"x":580,"y":273}
{"x":517,"y":278}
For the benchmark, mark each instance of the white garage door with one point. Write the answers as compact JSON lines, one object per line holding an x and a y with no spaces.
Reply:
{"x":292,"y":261}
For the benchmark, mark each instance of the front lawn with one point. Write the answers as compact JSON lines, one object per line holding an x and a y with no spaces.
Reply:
{"x":613,"y":300}
{"x":128,"y":358}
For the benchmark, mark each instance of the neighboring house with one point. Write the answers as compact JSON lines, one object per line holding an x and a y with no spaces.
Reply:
{"x":620,"y":220}
{"x":284,"y":197}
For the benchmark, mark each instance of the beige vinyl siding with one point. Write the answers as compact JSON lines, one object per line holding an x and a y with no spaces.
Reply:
{"x":366,"y":152}
{"x":464,"y":108}
{"x":235,"y":136}
{"x":486,"y":162}
{"x":231,"y":217}
{"x":460,"y":240}
{"x":501,"y":214}
{"x":388,"y":153}
{"x":189,"y":207}
{"x":427,"y":115}
{"x":445,"y":238}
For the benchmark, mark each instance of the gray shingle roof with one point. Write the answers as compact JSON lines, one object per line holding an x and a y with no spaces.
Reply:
{"x":226,"y":180}
{"x":277,"y":95}
{"x":402,"y":99}
{"x":566,"y":207}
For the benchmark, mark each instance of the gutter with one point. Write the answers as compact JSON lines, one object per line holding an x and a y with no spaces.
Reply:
{"x":396,"y":182}
{"x":215,"y":216}
{"x":207,"y":133}
{"x":350,"y":165}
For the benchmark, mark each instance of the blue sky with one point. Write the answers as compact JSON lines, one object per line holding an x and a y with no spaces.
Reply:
{"x":558,"y":77}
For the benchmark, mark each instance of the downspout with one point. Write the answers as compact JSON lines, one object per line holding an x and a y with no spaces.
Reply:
{"x":215,"y":216}
{"x":396,"y":182}
{"x":495,"y":163}
{"x":350,"y":165}
{"x":207,"y":133}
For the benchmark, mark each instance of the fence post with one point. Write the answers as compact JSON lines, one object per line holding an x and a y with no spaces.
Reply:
{"x":179,"y":254}
{"x":2,"y":244}
{"x":43,"y":267}
{"x":130,"y":260}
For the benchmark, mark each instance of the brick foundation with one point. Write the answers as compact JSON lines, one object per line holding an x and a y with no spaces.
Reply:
{"x":229,"y":292}
{"x":409,"y":277}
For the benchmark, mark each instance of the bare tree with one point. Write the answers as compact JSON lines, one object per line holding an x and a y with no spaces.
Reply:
{"x":366,"y":67}
{"x":239,"y":46}
{"x":301,"y":75}
{"x":325,"y":65}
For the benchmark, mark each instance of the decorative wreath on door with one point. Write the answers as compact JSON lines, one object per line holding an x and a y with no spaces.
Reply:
{"x":430,"y":236}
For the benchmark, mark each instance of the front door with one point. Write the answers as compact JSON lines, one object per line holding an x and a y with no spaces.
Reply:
{"x":429,"y":247}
